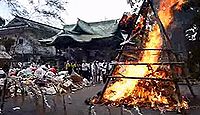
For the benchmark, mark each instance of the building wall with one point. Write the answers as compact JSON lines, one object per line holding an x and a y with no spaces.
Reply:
{"x":26,"y":45}
{"x":78,"y":54}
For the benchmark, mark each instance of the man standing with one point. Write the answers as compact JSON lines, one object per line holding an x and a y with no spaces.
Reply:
{"x":95,"y":72}
{"x":85,"y":70}
{"x":103,"y":67}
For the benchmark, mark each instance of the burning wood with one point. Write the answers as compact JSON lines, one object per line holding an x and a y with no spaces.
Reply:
{"x":147,"y":93}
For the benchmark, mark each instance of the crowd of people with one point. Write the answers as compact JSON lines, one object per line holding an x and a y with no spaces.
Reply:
{"x":95,"y":72}
{"x":31,"y":77}
{"x":40,"y":80}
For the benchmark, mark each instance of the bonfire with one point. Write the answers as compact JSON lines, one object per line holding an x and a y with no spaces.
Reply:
{"x":143,"y":74}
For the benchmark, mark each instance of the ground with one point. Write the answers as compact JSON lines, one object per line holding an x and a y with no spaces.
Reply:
{"x":32,"y":106}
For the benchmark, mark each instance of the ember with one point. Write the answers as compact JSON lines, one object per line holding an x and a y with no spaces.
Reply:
{"x":148,"y":93}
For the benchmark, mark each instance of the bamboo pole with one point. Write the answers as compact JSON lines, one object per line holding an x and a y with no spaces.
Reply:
{"x":43,"y":101}
{"x":138,"y":49}
{"x":142,"y":63}
{"x":64,"y":105}
{"x":3,"y":93}
{"x":146,"y":78}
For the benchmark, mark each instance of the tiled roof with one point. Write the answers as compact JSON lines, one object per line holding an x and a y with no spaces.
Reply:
{"x":85,"y":32}
{"x":20,"y":21}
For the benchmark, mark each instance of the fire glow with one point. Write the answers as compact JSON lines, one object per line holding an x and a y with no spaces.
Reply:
{"x":147,"y":93}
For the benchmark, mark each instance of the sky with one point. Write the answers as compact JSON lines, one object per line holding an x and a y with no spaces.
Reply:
{"x":87,"y":10}
{"x":96,"y":10}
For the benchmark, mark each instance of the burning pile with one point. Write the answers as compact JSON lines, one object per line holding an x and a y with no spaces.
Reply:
{"x":146,"y":92}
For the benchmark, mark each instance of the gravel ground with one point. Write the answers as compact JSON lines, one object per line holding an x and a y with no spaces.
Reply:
{"x":56,"y":105}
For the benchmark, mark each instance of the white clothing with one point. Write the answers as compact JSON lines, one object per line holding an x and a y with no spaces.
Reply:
{"x":85,"y":66}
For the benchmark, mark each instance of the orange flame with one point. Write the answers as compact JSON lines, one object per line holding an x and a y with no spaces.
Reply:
{"x":128,"y":87}
{"x":180,"y":4}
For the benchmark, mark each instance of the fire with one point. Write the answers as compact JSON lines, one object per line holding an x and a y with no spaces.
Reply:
{"x":180,"y":4}
{"x":136,"y":92}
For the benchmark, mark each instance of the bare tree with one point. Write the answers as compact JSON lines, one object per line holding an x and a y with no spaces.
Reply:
{"x":2,"y":21}
{"x":45,"y":10}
